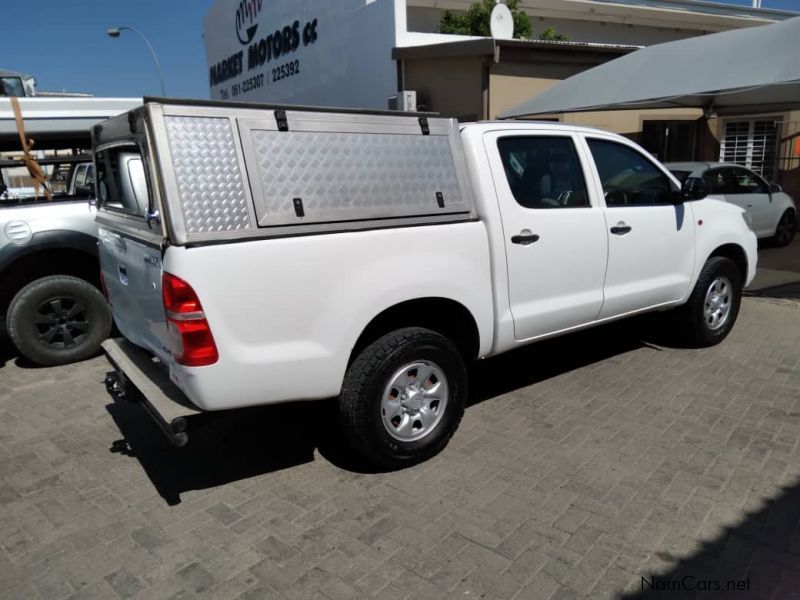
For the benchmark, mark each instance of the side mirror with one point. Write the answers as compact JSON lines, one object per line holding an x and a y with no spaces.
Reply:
{"x":693,"y":188}
{"x":774,"y":188}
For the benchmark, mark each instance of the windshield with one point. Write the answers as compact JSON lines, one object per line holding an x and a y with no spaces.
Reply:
{"x":11,"y":86}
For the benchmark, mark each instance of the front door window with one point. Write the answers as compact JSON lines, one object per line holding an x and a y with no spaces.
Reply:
{"x":628,"y":178}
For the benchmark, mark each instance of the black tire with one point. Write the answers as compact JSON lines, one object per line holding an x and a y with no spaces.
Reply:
{"x":698,"y":332}
{"x":58,"y":320}
{"x":369,"y":375}
{"x":787,"y":227}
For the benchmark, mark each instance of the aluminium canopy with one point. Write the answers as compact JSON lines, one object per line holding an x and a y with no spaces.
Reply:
{"x":740,"y":70}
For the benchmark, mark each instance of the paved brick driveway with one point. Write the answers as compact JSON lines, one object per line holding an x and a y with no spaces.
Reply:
{"x":584,"y":465}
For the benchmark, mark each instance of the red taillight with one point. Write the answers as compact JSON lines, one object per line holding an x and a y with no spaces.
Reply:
{"x":192,"y":342}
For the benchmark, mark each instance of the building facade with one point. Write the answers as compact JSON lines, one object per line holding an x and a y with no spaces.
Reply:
{"x":360,"y":53}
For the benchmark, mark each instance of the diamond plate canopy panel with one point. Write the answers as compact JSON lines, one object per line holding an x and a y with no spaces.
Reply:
{"x":349,"y":176}
{"x":208,"y":175}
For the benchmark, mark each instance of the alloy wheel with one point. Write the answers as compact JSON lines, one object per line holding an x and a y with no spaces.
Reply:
{"x":61,"y":323}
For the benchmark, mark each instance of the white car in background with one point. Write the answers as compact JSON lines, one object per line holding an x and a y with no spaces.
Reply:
{"x":772,"y":212}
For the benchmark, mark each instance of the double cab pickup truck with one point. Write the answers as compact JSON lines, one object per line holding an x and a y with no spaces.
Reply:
{"x":258,"y":255}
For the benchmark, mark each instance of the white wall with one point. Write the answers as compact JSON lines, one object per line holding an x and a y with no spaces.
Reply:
{"x":350,"y":63}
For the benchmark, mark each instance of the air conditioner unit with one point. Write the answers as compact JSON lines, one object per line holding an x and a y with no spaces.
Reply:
{"x":405,"y":101}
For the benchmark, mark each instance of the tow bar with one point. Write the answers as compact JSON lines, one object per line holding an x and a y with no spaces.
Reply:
{"x":162,"y":400}
{"x":116,"y":385}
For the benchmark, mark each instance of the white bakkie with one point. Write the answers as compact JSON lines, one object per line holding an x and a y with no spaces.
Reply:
{"x":268,"y":254}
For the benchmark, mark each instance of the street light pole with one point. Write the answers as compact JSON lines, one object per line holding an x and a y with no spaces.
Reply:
{"x":115,"y":33}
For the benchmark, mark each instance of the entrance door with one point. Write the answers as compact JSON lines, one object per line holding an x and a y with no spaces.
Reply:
{"x":555,"y":236}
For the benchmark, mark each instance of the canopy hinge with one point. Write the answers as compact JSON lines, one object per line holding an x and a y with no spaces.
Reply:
{"x":423,"y":124}
{"x":280,"y":118}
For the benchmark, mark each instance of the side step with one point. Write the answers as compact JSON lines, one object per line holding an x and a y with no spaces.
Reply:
{"x":166,"y":404}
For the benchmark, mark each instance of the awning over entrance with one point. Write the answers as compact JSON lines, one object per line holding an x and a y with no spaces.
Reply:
{"x":734,"y":71}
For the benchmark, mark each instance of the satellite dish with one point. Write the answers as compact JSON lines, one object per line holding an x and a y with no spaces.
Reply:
{"x":502,"y":23}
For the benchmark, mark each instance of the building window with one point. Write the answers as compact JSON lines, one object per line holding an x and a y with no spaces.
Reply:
{"x":752,"y":144}
{"x":669,"y":141}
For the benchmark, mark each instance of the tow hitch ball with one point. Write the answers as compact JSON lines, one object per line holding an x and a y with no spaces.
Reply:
{"x":115,"y":385}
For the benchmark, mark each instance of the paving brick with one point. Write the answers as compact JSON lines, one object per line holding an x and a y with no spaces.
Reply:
{"x":196,"y":578}
{"x":124,"y":583}
{"x":276,"y":550}
{"x":593,"y":470}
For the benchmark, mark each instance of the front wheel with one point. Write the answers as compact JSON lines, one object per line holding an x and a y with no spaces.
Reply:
{"x":784,"y":232}
{"x":403,"y":397}
{"x":713,"y":306}
{"x":58,"y":320}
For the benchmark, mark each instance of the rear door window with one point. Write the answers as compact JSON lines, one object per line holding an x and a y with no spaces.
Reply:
{"x":80,"y":177}
{"x":544,"y":172}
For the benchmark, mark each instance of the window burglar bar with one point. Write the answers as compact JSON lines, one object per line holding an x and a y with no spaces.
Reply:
{"x":752,"y":144}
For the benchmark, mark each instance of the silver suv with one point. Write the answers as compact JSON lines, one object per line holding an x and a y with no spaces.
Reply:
{"x":49,"y":277}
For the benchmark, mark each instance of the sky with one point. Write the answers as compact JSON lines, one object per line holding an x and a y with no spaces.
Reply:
{"x":63,"y":43}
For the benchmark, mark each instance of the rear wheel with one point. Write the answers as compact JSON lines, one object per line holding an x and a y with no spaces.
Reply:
{"x":713,"y":307}
{"x":784,"y":232}
{"x":58,"y":320}
{"x":403,"y":397}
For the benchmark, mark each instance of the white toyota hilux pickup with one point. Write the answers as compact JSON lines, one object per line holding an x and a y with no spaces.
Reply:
{"x":260,"y":255}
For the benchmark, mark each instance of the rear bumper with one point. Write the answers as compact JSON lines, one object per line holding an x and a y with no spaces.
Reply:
{"x":164,"y":402}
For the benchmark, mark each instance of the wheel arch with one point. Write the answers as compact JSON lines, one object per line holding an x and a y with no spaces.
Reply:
{"x":442,"y":315}
{"x":735,"y":253}
{"x":54,"y":253}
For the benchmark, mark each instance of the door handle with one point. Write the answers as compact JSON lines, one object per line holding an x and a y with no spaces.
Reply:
{"x":123,"y":274}
{"x":621,"y":229}
{"x":525,"y":238}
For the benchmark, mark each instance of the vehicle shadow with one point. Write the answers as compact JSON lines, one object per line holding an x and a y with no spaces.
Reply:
{"x":786,"y":291}
{"x":226,"y":446}
{"x":778,"y":271}
{"x":758,"y":557}
{"x":235,"y":445}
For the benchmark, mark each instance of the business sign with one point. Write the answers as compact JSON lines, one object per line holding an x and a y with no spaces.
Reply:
{"x":301,"y":51}
{"x":243,"y":71}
